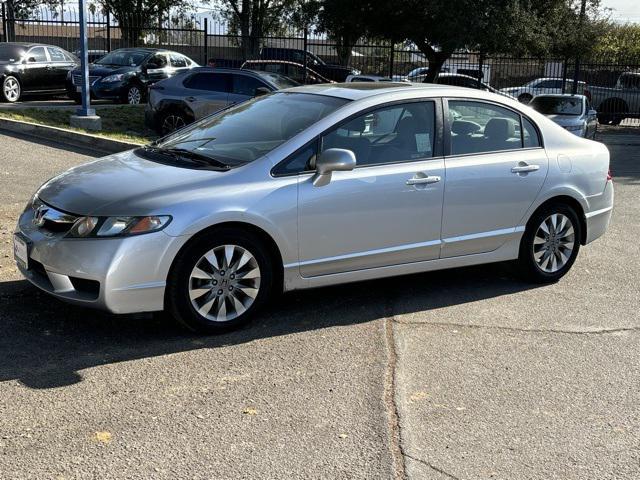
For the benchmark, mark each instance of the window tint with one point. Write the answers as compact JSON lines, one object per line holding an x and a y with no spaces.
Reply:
{"x":396,"y":133}
{"x":38,"y":54}
{"x":210,"y":81}
{"x":246,"y":85}
{"x":56,"y":55}
{"x":531,"y":139}
{"x":274,"y":68}
{"x":177,"y":61}
{"x":478,"y":127}
{"x":300,"y":161}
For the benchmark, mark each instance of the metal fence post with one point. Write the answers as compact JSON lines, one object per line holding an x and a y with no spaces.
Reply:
{"x":205,"y":60}
{"x":392,"y":54}
{"x":4,"y":23}
{"x":108,"y":31}
{"x":305,"y":47}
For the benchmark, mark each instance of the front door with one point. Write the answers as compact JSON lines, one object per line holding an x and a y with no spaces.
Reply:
{"x":495,"y":168}
{"x":388,"y":210}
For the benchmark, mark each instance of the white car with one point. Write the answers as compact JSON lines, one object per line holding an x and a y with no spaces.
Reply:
{"x":541,"y":86}
{"x":571,"y":112}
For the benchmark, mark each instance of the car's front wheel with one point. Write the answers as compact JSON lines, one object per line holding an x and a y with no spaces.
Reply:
{"x":133,"y":95}
{"x":219,"y":281}
{"x":550,"y":243}
{"x":11,"y":90}
{"x":172,"y":121}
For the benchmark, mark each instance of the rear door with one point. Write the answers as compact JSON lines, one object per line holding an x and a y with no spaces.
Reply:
{"x":495,"y":168}
{"x":207,"y":92}
{"x":60,"y":64}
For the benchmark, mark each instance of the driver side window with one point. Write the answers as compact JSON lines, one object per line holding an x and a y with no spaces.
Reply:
{"x":157,"y":61}
{"x":38,"y":54}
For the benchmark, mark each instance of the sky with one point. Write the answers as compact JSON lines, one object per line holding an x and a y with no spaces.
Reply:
{"x":624,"y":10}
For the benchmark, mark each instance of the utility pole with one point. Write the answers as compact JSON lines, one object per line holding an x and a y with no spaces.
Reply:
{"x":576,"y":72}
{"x":85,"y":116}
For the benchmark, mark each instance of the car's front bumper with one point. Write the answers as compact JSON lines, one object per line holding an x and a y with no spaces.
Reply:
{"x":120,"y":275}
{"x":99,"y":90}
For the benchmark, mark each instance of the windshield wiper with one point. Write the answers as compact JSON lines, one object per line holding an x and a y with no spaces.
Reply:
{"x":182,"y":154}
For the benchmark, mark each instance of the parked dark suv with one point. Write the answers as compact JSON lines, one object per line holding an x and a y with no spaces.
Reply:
{"x":178,"y":101}
{"x":337,"y":73}
{"x":125,"y":74}
{"x":33,"y":68}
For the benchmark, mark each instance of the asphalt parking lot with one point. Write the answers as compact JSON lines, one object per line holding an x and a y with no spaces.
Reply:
{"x":464,"y":374}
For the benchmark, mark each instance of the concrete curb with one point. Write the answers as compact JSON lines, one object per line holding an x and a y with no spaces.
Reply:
{"x":62,"y":135}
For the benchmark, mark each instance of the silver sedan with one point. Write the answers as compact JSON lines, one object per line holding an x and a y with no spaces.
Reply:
{"x":316,"y":186}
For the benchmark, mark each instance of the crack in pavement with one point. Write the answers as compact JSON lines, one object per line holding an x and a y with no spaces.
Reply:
{"x":602,"y":331}
{"x":432,"y":467}
{"x":393,"y":417}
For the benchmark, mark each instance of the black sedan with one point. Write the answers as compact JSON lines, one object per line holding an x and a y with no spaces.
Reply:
{"x":125,"y":75}
{"x":33,"y":68}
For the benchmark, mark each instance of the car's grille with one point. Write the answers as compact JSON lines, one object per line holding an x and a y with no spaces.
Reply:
{"x":50,"y":220}
{"x":76,"y":79}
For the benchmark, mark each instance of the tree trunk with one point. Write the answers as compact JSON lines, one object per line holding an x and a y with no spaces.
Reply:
{"x":344,"y":47}
{"x":436,"y":59}
{"x":10,"y":21}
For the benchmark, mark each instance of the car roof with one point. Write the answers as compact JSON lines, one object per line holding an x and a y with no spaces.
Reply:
{"x":360,"y":90}
{"x":560,"y":95}
{"x":556,"y":78}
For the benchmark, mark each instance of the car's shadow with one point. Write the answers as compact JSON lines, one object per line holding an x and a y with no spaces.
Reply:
{"x":44,"y":342}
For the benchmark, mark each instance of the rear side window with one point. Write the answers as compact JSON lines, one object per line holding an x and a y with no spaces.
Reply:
{"x":530,"y":137}
{"x":177,"y":61}
{"x":478,"y":127}
{"x":209,"y":81}
{"x":38,"y":54}
{"x":246,"y":85}
{"x":56,"y":55}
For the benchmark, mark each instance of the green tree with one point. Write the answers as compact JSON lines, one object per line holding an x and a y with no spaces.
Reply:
{"x":619,"y":43}
{"x":345,"y":23}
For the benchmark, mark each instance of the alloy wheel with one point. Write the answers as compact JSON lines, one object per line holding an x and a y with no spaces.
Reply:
{"x":171,"y":123}
{"x":224,"y":283}
{"x":134,"y":96}
{"x":11,"y":89}
{"x":553,"y":243}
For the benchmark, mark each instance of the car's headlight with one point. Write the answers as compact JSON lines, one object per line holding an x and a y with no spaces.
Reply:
{"x":118,"y":77}
{"x":574,"y":128}
{"x":69,"y":75}
{"x":101,"y":227}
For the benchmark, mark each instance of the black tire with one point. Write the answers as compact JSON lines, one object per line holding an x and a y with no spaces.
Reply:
{"x":11,"y":89}
{"x":527,"y":263}
{"x":77,"y":99}
{"x":525,"y":98}
{"x":177,"y":300}
{"x":172,"y":121}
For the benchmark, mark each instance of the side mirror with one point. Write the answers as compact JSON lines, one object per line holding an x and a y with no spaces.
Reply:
{"x":261,"y":91}
{"x":332,"y":160}
{"x":592,"y":113}
{"x":31,"y":60}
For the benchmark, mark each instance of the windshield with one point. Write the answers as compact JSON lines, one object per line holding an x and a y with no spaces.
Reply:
{"x":278,"y":80}
{"x":557,"y":105}
{"x":10,"y":53}
{"x":252,"y":129}
{"x":123,"y":58}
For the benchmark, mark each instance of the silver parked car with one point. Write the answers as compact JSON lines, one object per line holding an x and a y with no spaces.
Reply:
{"x":315,"y":186}
{"x":572,"y":112}
{"x":541,"y":86}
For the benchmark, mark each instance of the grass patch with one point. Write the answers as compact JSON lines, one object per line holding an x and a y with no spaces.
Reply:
{"x":122,"y":122}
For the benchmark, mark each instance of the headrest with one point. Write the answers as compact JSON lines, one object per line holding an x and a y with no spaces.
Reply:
{"x":464,"y":127}
{"x":499,"y":128}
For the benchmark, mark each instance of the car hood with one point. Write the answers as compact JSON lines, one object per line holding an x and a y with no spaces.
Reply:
{"x":105,"y":70}
{"x":123,"y":184}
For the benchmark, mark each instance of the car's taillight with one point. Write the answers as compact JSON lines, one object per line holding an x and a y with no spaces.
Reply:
{"x":609,"y":176}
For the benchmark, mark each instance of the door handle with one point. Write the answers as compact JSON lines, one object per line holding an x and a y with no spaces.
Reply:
{"x":190,"y":99}
{"x":525,"y":168}
{"x":423,"y":180}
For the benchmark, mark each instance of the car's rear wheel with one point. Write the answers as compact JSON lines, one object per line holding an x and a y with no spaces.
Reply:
{"x":550,"y":243}
{"x":172,"y":121}
{"x":11,"y":90}
{"x":219,"y":281}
